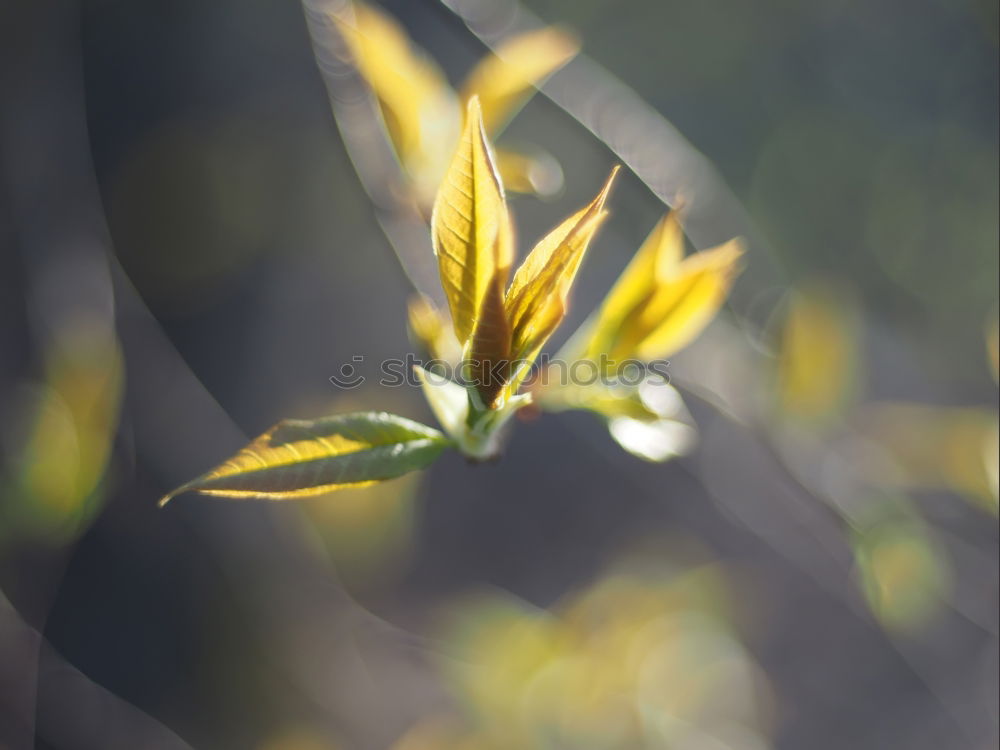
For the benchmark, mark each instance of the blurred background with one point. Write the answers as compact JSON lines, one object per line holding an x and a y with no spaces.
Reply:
{"x":189,"y":255}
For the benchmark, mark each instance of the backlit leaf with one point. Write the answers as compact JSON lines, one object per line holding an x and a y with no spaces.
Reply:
{"x":466,"y":225}
{"x":298,"y":458}
{"x":536,"y":300}
{"x":504,"y":80}
{"x":662,"y":300}
{"x":656,"y":260}
{"x":681,"y":307}
{"x":419,"y":107}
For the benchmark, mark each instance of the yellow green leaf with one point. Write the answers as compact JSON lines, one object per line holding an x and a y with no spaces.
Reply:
{"x":536,"y":300}
{"x":504,"y":80}
{"x":679,"y":308}
{"x":66,"y":450}
{"x":467,"y":225}
{"x":418,"y":105}
{"x":662,"y":300}
{"x":656,"y":260}
{"x":298,"y":458}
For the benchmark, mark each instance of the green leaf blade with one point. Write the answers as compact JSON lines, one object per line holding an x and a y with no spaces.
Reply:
{"x":299,"y":458}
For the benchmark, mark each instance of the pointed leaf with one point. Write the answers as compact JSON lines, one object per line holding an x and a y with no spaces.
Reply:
{"x":469,"y":212}
{"x":681,"y":308}
{"x":298,"y":458}
{"x":656,"y":260}
{"x":504,"y":80}
{"x":536,"y":300}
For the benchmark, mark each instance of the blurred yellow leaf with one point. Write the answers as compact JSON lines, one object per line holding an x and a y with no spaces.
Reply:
{"x":934,"y":447}
{"x":504,"y":645}
{"x":466,"y":226}
{"x":535,"y":172}
{"x":903,"y":574}
{"x":536,"y":300}
{"x":504,"y":80}
{"x":819,"y":351}
{"x":67,"y":448}
{"x":432,"y":331}
{"x":634,"y":660}
{"x":422,"y":113}
{"x":298,"y":458}
{"x":418,"y":105}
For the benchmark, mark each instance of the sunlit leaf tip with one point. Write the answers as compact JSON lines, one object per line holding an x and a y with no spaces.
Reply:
{"x":300,"y":458}
{"x":469,"y":225}
{"x":537,"y":297}
{"x":681,"y":308}
{"x":663,"y":300}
